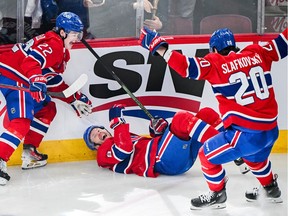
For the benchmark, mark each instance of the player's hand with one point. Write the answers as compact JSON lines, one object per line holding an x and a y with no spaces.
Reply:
{"x":151,"y":40}
{"x":157,"y":126}
{"x":82,"y":105}
{"x":116,"y":111}
{"x":153,"y":23}
{"x":115,"y":122}
{"x":116,"y":115}
{"x":38,"y":87}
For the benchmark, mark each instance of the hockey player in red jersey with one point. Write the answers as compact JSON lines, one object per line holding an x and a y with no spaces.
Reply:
{"x":242,"y":84}
{"x":171,"y":150}
{"x":37,"y":65}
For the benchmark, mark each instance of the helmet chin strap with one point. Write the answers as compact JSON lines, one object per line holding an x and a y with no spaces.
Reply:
{"x":59,"y":33}
{"x":66,"y":35}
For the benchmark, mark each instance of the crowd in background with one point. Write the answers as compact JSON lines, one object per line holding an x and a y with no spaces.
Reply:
{"x":119,"y":18}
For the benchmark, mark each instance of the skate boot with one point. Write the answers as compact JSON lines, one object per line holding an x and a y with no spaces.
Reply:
{"x":31,"y":158}
{"x":271,"y":192}
{"x":212,"y":200}
{"x":4,"y":177}
{"x":242,"y":166}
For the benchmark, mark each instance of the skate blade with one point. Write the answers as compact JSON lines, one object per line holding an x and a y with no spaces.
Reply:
{"x":244,"y":169}
{"x":3,"y":181}
{"x":214,"y":206}
{"x":275,"y":200}
{"x":267,"y":199}
{"x":33,"y":164}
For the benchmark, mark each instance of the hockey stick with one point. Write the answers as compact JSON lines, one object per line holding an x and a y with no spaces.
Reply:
{"x":118,"y":80}
{"x":73,"y":88}
{"x":155,"y":7}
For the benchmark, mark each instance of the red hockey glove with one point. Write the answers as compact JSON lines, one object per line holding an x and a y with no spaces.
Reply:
{"x":157,"y":126}
{"x":116,"y":115}
{"x":82,"y":105}
{"x":38,"y":87}
{"x":115,"y":122}
{"x":151,"y":40}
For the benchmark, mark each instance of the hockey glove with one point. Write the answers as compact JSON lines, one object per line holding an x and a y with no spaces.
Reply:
{"x":115,"y":122}
{"x":82,"y":105}
{"x":157,"y":126}
{"x":116,"y":111}
{"x":116,"y":115}
{"x":151,"y":40}
{"x":38,"y":87}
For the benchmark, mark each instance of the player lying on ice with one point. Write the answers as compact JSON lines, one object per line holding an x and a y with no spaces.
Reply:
{"x":38,"y":65}
{"x":171,"y":150}
{"x":242,"y":84}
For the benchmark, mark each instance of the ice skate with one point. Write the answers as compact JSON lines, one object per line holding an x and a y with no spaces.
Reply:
{"x":31,"y":158}
{"x":4,"y":177}
{"x":271,"y":193}
{"x":212,"y":200}
{"x":242,"y":166}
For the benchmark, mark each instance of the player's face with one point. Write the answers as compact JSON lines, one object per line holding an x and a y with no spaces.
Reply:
{"x":72,"y":37}
{"x":98,"y":135}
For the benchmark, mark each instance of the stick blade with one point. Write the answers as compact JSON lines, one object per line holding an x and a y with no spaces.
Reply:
{"x":73,"y":88}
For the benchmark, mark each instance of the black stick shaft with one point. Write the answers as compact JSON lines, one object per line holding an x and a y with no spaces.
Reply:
{"x":118,"y":80}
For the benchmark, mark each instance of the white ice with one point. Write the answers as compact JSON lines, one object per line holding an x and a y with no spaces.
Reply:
{"x":84,"y":189}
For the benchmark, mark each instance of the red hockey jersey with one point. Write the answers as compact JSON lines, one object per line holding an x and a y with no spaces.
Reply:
{"x":241,"y":81}
{"x":128,"y":153}
{"x":44,"y":54}
{"x":27,"y":59}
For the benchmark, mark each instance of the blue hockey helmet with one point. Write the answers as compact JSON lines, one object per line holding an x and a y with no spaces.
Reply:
{"x":221,"y":39}
{"x":86,"y":136}
{"x":69,"y":22}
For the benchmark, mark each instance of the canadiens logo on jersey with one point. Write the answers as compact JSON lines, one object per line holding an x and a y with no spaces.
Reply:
{"x":109,"y":154}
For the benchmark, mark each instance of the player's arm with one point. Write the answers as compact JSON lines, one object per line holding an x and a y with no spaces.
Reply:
{"x":115,"y":149}
{"x":106,"y":157}
{"x":277,"y":48}
{"x":122,"y":138}
{"x":193,"y":67}
{"x":39,"y":55}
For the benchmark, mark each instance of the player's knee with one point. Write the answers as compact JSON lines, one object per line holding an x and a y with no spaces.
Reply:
{"x":51,"y":111}
{"x":201,"y":154}
{"x":181,"y":124}
{"x":47,"y":113}
{"x":6,"y":120}
{"x":256,"y":165}
{"x":208,"y":115}
{"x":211,"y":117}
{"x":19,"y":127}
{"x":202,"y":157}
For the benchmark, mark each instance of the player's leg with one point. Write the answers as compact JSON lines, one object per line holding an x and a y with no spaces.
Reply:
{"x":186,"y":126}
{"x":225,"y":147}
{"x":31,"y":157}
{"x":179,"y":145}
{"x":269,"y":186}
{"x":211,"y":117}
{"x":220,"y":149}
{"x":174,"y":155}
{"x":214,"y":173}
{"x":261,"y":168}
{"x":19,"y":108}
